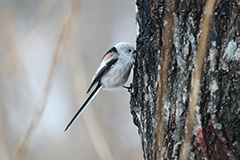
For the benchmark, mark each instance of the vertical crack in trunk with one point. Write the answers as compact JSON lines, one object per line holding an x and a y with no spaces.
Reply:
{"x":196,"y":79}
{"x":167,"y":39}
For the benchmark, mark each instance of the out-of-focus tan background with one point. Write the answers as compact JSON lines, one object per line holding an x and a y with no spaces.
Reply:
{"x":49,"y":51}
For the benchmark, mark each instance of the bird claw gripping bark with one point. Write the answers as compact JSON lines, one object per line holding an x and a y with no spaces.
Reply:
{"x":129,"y":88}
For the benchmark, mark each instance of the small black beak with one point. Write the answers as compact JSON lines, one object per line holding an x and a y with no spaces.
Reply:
{"x":135,"y":52}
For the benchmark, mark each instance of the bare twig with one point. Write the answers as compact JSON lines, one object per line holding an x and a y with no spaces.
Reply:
{"x":64,"y":32}
{"x":11,"y":60}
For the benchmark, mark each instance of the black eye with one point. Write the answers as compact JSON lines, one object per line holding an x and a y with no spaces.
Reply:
{"x":129,"y":50}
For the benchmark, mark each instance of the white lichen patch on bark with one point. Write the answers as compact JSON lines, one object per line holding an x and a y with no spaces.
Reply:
{"x":192,"y":156}
{"x":175,"y":150}
{"x":231,"y":54}
{"x":166,"y":111}
{"x":213,"y":87}
{"x":198,"y":123}
{"x":212,"y":56}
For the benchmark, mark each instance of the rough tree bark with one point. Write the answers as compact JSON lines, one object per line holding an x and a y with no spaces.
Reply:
{"x":186,"y":88}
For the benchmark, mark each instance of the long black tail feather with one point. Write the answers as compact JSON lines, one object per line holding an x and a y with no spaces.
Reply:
{"x":89,"y":99}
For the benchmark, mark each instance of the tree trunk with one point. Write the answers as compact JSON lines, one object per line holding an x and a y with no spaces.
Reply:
{"x":186,"y":88}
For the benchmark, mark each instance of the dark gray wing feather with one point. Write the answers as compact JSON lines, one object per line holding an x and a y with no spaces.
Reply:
{"x":102,"y":72}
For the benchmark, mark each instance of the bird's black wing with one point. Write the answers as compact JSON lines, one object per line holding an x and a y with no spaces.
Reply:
{"x":102,"y":72}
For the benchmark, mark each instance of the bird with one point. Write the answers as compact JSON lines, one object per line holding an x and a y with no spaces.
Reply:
{"x":113,"y":72}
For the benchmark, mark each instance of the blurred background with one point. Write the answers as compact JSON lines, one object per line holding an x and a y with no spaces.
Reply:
{"x":49,"y":51}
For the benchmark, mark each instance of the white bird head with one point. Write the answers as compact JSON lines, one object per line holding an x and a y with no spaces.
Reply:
{"x":125,"y":48}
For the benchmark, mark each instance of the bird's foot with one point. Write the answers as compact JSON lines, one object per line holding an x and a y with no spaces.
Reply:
{"x":129,"y":88}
